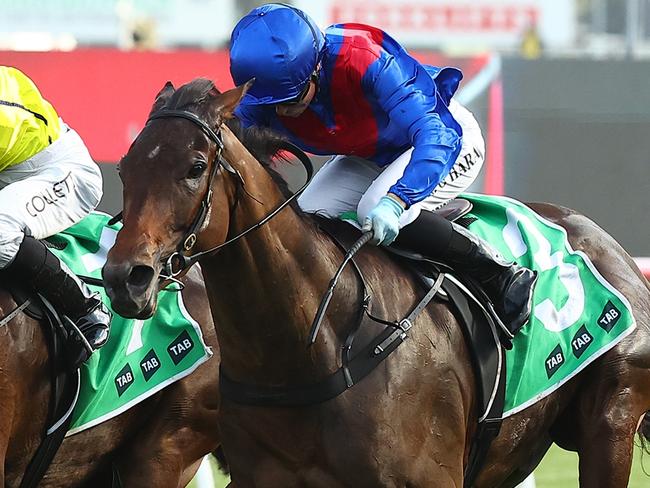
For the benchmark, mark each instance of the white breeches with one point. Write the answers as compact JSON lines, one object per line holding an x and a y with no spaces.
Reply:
{"x":353,"y":184}
{"x":47,"y":193}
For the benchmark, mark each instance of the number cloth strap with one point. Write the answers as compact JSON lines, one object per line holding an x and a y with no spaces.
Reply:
{"x":577,"y":314}
{"x":141,"y":357}
{"x":28,"y":122}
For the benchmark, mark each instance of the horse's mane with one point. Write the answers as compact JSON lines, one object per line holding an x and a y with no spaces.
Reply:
{"x":264,"y":144}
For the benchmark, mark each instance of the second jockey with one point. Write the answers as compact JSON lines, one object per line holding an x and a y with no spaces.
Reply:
{"x":48,"y":182}
{"x":403,"y":146}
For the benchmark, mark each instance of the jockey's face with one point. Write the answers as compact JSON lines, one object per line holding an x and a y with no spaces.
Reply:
{"x":296,"y":107}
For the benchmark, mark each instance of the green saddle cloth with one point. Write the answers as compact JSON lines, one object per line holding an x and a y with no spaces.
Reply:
{"x":141,"y":357}
{"x":577,"y":315}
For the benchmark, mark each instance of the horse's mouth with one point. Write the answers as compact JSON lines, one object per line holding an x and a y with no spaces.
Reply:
{"x":149,"y":309}
{"x":129,"y":307}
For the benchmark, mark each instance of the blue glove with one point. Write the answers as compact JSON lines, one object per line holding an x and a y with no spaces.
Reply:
{"x":383,"y":220}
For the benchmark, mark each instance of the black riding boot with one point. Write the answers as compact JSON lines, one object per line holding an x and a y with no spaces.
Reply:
{"x":40,"y":270}
{"x":508,"y":285}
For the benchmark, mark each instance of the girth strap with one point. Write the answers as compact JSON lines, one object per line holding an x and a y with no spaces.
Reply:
{"x":300,"y":396}
{"x":64,"y":395}
{"x":7,"y":318}
{"x":333,"y":385}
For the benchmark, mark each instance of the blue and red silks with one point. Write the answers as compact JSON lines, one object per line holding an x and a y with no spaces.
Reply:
{"x":375,"y":101}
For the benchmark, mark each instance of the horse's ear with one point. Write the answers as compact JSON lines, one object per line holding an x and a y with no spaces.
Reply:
{"x":229,"y":100}
{"x":162,"y":97}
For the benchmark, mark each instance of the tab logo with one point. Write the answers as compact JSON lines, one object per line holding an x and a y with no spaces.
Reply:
{"x":581,"y":341}
{"x":609,"y":317}
{"x":180,"y":347}
{"x":554,"y":361}
{"x":124,"y":379}
{"x":149,"y":365}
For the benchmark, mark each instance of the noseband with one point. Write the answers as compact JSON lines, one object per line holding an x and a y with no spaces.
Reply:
{"x":176,"y":263}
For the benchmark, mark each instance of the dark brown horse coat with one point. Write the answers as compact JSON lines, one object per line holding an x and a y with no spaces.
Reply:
{"x":411,"y":421}
{"x":158,"y":443}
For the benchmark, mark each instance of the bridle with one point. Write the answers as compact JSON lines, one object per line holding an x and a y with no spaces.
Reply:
{"x":178,"y":262}
{"x":354,"y":368}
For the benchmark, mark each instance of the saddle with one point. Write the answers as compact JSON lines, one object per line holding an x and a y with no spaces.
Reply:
{"x":364,"y":349}
{"x":455,"y":209}
{"x":483,"y":332}
{"x":482,"y":329}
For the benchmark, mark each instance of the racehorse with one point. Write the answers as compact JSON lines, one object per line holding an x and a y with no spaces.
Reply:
{"x":190,"y":183}
{"x":159,"y":442}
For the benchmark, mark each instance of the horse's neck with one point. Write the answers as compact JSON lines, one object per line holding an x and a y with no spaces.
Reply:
{"x":265,"y":289}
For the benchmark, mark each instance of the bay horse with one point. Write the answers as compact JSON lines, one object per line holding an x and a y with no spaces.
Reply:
{"x":192,"y":183}
{"x":159,"y":442}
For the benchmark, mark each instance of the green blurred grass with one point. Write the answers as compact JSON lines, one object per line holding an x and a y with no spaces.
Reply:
{"x":221,"y":480}
{"x":558,"y":469}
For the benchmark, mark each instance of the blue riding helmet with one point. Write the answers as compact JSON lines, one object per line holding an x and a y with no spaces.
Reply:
{"x":278,"y":45}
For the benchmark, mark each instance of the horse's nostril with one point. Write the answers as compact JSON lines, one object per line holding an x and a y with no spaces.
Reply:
{"x":140,"y":276}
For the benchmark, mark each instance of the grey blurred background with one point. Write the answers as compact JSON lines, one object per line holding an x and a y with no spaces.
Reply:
{"x":574,"y":77}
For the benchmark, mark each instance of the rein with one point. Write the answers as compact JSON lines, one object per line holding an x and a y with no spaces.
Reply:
{"x":353,"y":369}
{"x":176,"y":263}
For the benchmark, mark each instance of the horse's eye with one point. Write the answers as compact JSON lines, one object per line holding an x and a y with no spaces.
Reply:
{"x":197,"y":170}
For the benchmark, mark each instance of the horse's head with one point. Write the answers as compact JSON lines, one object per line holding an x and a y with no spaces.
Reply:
{"x":173,"y":186}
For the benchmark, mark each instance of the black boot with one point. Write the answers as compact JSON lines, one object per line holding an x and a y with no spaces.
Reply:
{"x":508,"y":285}
{"x":41,"y":271}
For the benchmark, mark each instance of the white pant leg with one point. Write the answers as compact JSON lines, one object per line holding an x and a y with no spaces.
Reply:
{"x":380,"y":187}
{"x":460,"y":177}
{"x":47,"y":193}
{"x":468,"y":164}
{"x":338,"y":186}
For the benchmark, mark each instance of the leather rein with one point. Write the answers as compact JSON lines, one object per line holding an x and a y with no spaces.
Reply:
{"x":353,"y":369}
{"x":177,"y":262}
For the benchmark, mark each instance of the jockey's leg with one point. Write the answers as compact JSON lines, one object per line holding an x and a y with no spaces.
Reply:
{"x":338,"y":186}
{"x":46,"y":194}
{"x":508,"y":285}
{"x":39,"y":269}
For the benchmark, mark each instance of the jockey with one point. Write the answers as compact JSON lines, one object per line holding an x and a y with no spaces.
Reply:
{"x":403,"y":147}
{"x":48,"y":182}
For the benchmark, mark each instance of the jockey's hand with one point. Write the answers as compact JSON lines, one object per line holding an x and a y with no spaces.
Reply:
{"x":383,"y":220}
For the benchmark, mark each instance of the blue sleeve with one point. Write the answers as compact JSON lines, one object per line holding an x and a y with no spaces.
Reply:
{"x":250,"y":115}
{"x":408,"y":94}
